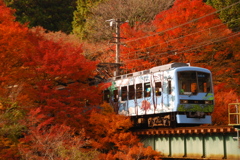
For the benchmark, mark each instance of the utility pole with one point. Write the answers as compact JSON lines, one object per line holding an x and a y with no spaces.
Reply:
{"x":117,"y":47}
{"x":116,"y":23}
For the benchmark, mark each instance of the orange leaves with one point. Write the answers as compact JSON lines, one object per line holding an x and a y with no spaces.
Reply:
{"x":60,"y":59}
{"x":55,"y":142}
{"x":13,"y":45}
{"x":6,"y":14}
{"x":8,"y":149}
{"x":110,"y":135}
{"x":222,"y":99}
{"x":54,"y":76}
{"x":60,"y":78}
{"x":185,"y":28}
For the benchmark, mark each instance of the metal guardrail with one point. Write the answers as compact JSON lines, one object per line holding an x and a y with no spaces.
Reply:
{"x":234,"y":114}
{"x":234,"y":119}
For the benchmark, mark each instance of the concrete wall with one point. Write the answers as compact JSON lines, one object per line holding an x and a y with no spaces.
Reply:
{"x":195,"y":146}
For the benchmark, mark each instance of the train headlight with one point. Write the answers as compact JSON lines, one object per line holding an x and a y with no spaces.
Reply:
{"x":208,"y":102}
{"x":184,"y":101}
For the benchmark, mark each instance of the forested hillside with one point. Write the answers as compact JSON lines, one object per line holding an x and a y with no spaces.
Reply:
{"x":50,"y":53}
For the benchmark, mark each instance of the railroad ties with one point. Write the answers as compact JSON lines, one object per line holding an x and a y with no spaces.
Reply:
{"x":185,"y":130}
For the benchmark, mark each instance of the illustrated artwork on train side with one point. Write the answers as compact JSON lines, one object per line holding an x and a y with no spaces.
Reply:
{"x":171,"y":94}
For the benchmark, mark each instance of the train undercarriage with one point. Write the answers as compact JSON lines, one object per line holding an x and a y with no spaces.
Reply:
{"x":166,"y":119}
{"x":149,"y":121}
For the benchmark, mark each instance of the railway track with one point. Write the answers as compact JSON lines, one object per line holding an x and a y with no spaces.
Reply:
{"x":185,"y":130}
{"x":199,"y":142}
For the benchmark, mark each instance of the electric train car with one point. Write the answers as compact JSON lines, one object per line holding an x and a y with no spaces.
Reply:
{"x":167,"y":95}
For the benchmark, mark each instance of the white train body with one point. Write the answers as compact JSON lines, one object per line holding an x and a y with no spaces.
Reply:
{"x":165,"y":94}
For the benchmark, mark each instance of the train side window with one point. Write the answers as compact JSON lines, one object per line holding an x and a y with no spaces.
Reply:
{"x":139,"y":90}
{"x":147,"y":89}
{"x":124,"y":93}
{"x":131,"y":92}
{"x":115,"y":92}
{"x":158,"y":88}
{"x":169,"y":87}
{"x":106,"y":95}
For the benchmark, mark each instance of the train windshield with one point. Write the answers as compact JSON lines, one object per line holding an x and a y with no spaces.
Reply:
{"x":192,"y":82}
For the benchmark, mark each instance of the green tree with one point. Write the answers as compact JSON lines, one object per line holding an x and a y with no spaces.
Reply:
{"x":54,"y":15}
{"x":231,"y":15}
{"x":11,"y":129}
{"x":81,"y":14}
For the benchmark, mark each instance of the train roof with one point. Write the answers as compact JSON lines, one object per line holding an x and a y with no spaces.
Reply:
{"x":168,"y":66}
{"x":152,"y":70}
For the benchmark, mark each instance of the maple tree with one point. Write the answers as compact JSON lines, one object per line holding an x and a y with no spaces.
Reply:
{"x":177,"y":35}
{"x":13,"y":46}
{"x":222,"y":99}
{"x":49,"y":76}
{"x":43,"y":140}
{"x":225,"y":64}
{"x":49,"y":73}
{"x":109,"y":134}
{"x":60,"y":79}
{"x":187,"y":32}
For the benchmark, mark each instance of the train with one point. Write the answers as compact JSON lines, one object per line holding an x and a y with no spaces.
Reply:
{"x":175,"y":94}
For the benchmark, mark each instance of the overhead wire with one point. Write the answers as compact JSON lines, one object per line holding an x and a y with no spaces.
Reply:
{"x":178,"y":38}
{"x":189,"y":49}
{"x":193,"y":20}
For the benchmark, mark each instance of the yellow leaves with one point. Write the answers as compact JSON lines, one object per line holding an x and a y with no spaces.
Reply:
{"x":106,"y":108}
{"x":8,"y":149}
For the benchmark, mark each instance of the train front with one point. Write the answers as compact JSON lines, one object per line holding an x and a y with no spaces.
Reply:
{"x":195,"y":95}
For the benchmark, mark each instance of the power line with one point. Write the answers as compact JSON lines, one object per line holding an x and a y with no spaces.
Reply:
{"x":186,"y":50}
{"x":104,"y":49}
{"x":193,"y":20}
{"x":181,"y":37}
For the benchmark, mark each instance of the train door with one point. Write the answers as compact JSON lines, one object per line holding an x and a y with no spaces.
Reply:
{"x":139,"y":98}
{"x":157,"y":95}
{"x":131,"y":98}
{"x":168,"y":94}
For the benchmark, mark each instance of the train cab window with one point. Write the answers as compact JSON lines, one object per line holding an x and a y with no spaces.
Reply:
{"x":187,"y":82}
{"x":192,"y":82}
{"x":204,"y":81}
{"x":124,"y":93}
{"x":106,"y":95}
{"x":158,"y":88}
{"x":131,"y":92}
{"x":139,"y":90}
{"x":147,"y":89}
{"x":115,"y":92}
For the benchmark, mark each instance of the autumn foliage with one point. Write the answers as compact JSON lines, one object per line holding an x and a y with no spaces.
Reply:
{"x":190,"y":31}
{"x":51,"y":80}
{"x":48,"y":98}
{"x":111,"y":136}
{"x":44,"y":140}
